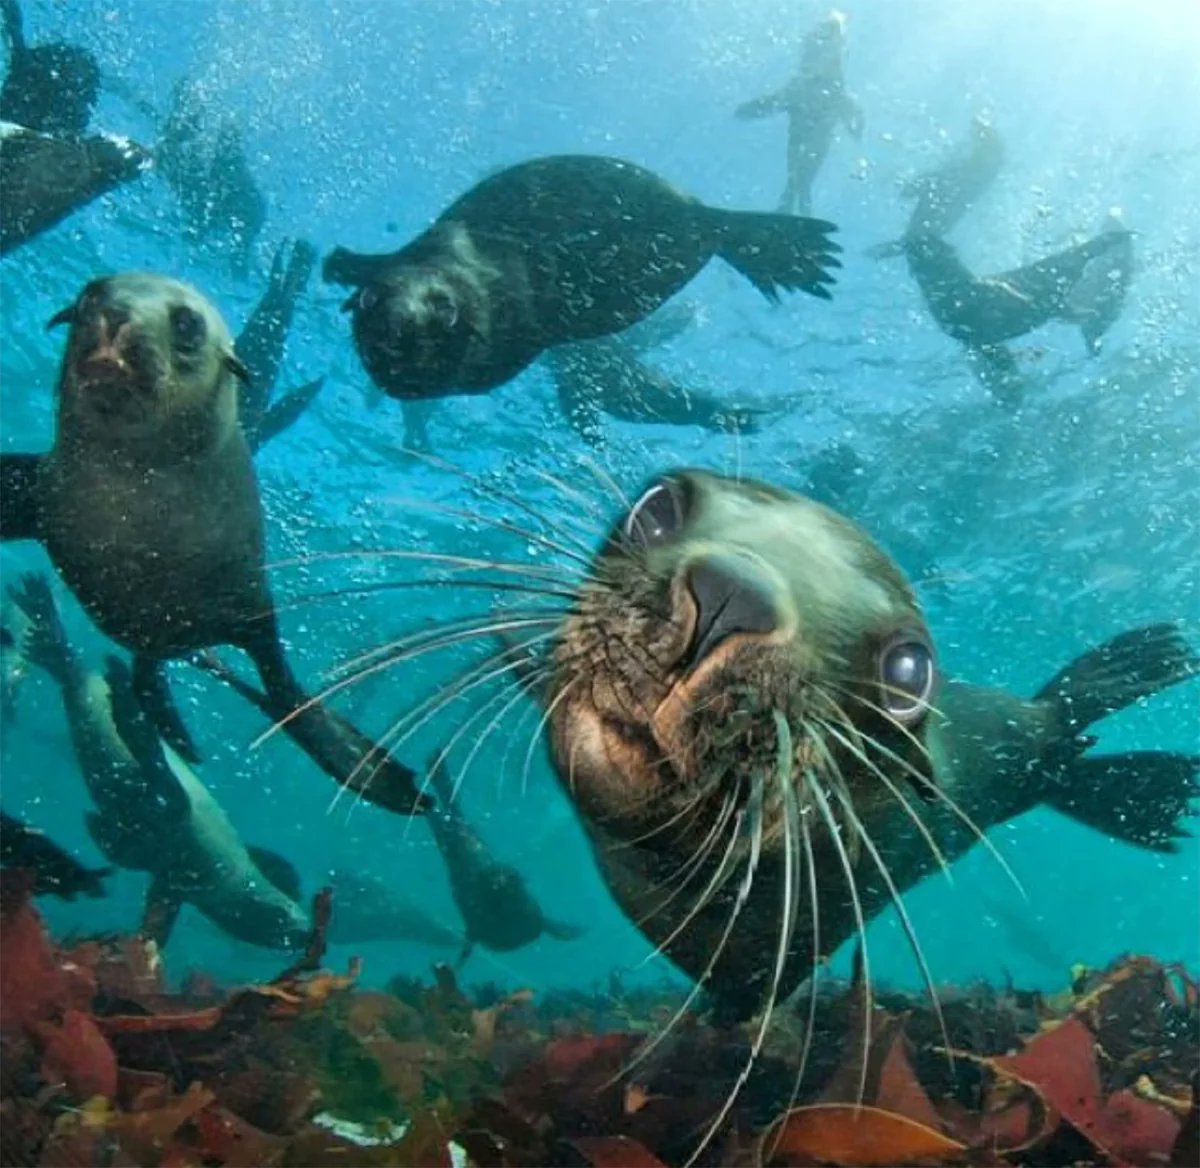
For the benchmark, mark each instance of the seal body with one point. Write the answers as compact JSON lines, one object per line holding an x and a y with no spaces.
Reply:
{"x":746,"y":709}
{"x":43,"y":179}
{"x":558,"y":249}
{"x":816,"y":104}
{"x":149,"y":508}
{"x":943,"y":195}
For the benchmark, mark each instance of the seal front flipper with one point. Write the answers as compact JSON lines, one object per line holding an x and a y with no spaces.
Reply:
{"x":140,"y":736}
{"x":18,"y":496}
{"x":351,"y":268}
{"x":561,"y":930}
{"x":998,"y":373}
{"x":154,"y":696}
{"x":160,"y":912}
{"x":775,"y":251}
{"x":284,"y":412}
{"x":278,"y":871}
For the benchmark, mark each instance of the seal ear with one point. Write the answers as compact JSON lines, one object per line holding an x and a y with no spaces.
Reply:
{"x":63,"y":316}
{"x":237,"y":368}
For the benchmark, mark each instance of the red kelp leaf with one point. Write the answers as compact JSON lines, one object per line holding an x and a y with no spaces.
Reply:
{"x":1136,"y":1130}
{"x":127,"y":969}
{"x":483,"y":1022}
{"x":31,"y":985}
{"x":141,"y":1090}
{"x":225,"y":1138}
{"x":152,"y":1023}
{"x":75,"y":1052}
{"x":426,"y":1141}
{"x":614,"y":1152}
{"x":566,"y":1057}
{"x":1187,"y":1144}
{"x":147,"y":1133}
{"x":1061,"y":1064}
{"x":858,"y":1137}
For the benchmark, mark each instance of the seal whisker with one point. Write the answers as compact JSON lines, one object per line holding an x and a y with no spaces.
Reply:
{"x":814,"y":787}
{"x":787,"y":922}
{"x":535,"y":737}
{"x":480,"y":674}
{"x":895,"y":791}
{"x":905,"y":920}
{"x":937,"y":793}
{"x":549,"y":572}
{"x":748,"y":821}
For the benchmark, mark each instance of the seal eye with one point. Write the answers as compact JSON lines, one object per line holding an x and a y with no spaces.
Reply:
{"x":906,"y":677}
{"x":656,"y":516}
{"x":188,"y":329}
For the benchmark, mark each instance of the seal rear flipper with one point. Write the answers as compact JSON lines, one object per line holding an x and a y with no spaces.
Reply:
{"x":352,"y":268}
{"x":154,"y":696}
{"x":46,"y":644}
{"x":1139,"y":797}
{"x":18,"y":496}
{"x":140,"y":736}
{"x":1125,"y":669}
{"x":160,"y":912}
{"x":283,"y":413}
{"x":776,"y":251}
{"x":278,"y":871}
{"x":998,"y":373}
{"x":886,"y":251}
{"x":580,"y":408}
{"x":561,"y":930}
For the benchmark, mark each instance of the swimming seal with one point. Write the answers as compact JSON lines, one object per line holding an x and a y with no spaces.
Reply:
{"x":557,"y":249}
{"x":498,"y":910}
{"x":45,"y":179}
{"x":816,"y":104}
{"x":746,"y":710}
{"x":1084,"y":285}
{"x":148,"y":506}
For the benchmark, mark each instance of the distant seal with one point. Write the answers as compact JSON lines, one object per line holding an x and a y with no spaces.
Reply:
{"x":55,"y":871}
{"x":746,"y":709}
{"x":1084,"y":285}
{"x":608,"y":376}
{"x":557,"y":249}
{"x":45,"y":179}
{"x":943,"y":195}
{"x":148,"y":506}
{"x":498,"y":910}
{"x":816,"y":104}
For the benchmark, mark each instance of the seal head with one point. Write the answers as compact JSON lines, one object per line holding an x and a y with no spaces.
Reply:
{"x":716,"y":609}
{"x":149,"y":360}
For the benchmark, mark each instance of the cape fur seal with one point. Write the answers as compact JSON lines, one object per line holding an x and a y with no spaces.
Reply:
{"x":1085,"y":285}
{"x":45,"y":179}
{"x":148,"y":506}
{"x":557,"y":249}
{"x":816,"y":104}
{"x":745,"y":706}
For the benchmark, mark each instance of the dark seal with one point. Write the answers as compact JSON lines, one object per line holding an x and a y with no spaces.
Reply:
{"x":558,"y":249}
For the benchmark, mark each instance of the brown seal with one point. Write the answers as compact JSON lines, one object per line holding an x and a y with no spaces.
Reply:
{"x":746,"y":709}
{"x":148,"y":506}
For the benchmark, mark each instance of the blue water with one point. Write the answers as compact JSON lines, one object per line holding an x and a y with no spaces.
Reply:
{"x":1056,"y":530}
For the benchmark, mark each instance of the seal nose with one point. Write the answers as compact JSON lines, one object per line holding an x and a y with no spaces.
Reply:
{"x":727,"y":602}
{"x":104,"y":344}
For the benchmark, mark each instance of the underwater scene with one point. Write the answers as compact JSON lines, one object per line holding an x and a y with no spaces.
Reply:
{"x":599,"y":582}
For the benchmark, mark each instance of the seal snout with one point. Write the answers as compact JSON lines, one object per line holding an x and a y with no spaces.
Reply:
{"x":730,"y":600}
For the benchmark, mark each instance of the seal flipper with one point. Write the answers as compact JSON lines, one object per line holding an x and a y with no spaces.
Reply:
{"x":998,"y":373}
{"x":1138,"y":797}
{"x":343,"y":266}
{"x":140,"y":736}
{"x":579,"y":407}
{"x":467,"y":949}
{"x":154,"y":696}
{"x":56,"y":871}
{"x":562,"y":930}
{"x":775,"y":251}
{"x":18,"y":496}
{"x":160,"y":912}
{"x":278,"y":871}
{"x":284,"y":412}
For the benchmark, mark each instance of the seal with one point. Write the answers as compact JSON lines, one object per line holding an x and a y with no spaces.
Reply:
{"x":152,"y":813}
{"x":816,"y":104}
{"x":498,"y":910}
{"x":557,"y":249}
{"x":745,"y":706}
{"x":55,"y":871}
{"x":943,"y":195}
{"x":43,"y":179}
{"x":1084,"y":285}
{"x":148,"y":506}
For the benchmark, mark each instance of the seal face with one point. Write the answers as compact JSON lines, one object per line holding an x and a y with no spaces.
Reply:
{"x":746,"y":709}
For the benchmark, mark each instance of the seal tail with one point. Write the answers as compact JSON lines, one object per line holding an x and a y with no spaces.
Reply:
{"x":1139,"y":796}
{"x":776,"y":252}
